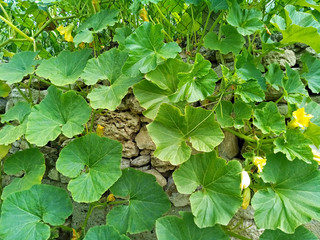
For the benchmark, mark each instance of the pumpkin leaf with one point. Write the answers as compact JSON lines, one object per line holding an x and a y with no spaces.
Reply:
{"x":301,"y":233}
{"x":104,"y":232}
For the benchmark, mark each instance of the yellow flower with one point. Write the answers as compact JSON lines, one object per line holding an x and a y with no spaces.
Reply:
{"x":260,"y":163}
{"x":245,"y":180}
{"x":100,"y":130}
{"x":300,"y":119}
{"x":144,"y":15}
{"x":66,"y":31}
{"x":316,"y":153}
{"x":111,"y":198}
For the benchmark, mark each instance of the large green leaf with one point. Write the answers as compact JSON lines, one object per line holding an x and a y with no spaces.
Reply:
{"x":108,"y":66}
{"x":312,"y":72}
{"x":147,"y":50}
{"x":19,"y":66}
{"x":250,"y":91}
{"x":293,"y":197}
{"x":247,"y":21}
{"x":233,"y":115}
{"x":229,"y":41}
{"x":171,"y":130}
{"x":64,"y":69}
{"x":269,"y":120}
{"x":313,"y":108}
{"x":298,"y":26}
{"x":301,"y":233}
{"x":93,"y":163}
{"x":4,"y":90}
{"x":219,"y":196}
{"x":27,"y":214}
{"x":121,"y":36}
{"x":175,"y":228}
{"x":146,"y":202}
{"x":104,"y":232}
{"x":100,"y":20}
{"x":57,"y":113}
{"x":295,"y":145}
{"x":31,"y":163}
{"x":275,"y":75}
{"x":216,"y":5}
{"x":11,"y":133}
{"x":198,"y":83}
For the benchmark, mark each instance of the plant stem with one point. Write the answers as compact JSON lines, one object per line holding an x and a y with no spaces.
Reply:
{"x":5,"y":12}
{"x":16,"y":29}
{"x":23,"y":95}
{"x":216,"y":21}
{"x":233,"y":234}
{"x":165,"y":19}
{"x":204,"y":31}
{"x":66,"y":228}
{"x":249,"y":139}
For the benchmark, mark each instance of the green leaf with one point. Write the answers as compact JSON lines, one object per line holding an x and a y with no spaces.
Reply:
{"x":4,"y":150}
{"x":57,"y":113}
{"x":216,"y":5}
{"x":171,"y":130}
{"x":198,"y":83}
{"x":301,"y":233}
{"x":146,"y":202}
{"x":298,"y":26}
{"x":100,"y":20}
{"x":230,"y":40}
{"x":83,"y":36}
{"x":247,"y":21}
{"x":312,"y":133}
{"x":93,"y":163}
{"x":274,"y":75}
{"x":64,"y":69}
{"x":175,"y":228}
{"x":20,"y":65}
{"x":147,"y":50}
{"x":294,"y":145}
{"x":121,"y":36}
{"x":4,"y":90}
{"x":294,"y":88}
{"x":313,"y":108}
{"x":250,"y":91}
{"x":269,"y":120}
{"x":27,"y":214}
{"x":104,"y":232}
{"x":219,"y":196}
{"x":11,"y":133}
{"x":31,"y":163}
{"x":312,"y":72}
{"x":308,"y":3}
{"x":233,"y":115}
{"x":292,"y":199}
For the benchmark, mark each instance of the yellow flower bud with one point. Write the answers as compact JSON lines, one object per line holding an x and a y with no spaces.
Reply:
{"x":144,"y":15}
{"x":66,"y":31}
{"x":245,"y":180}
{"x":260,"y":163}
{"x":300,"y":119}
{"x":111,"y":198}
{"x":100,"y":130}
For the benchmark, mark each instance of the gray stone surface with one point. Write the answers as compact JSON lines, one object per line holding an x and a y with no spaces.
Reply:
{"x":140,"y":161}
{"x":53,"y":174}
{"x":282,"y":58}
{"x":229,"y":147}
{"x":160,"y":179}
{"x":144,"y":140}
{"x":3,"y":104}
{"x":125,"y":163}
{"x":129,"y":149}
{"x":161,"y":166}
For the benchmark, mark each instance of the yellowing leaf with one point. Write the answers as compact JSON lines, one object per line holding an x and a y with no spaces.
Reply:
{"x":4,"y":149}
{"x":66,"y":31}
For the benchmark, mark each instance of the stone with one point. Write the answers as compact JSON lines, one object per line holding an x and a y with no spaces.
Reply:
{"x":144,"y":140}
{"x":218,"y":69}
{"x":143,"y":168}
{"x":144,"y":119}
{"x":145,"y":152}
{"x":3,"y":103}
{"x":121,"y":126}
{"x":247,"y":214}
{"x":133,"y":104}
{"x":160,"y":179}
{"x":315,"y":98}
{"x":24,"y":145}
{"x":314,"y":226}
{"x":64,"y":179}
{"x":229,"y":147}
{"x":272,"y":94}
{"x":282,"y":58}
{"x":129,"y":149}
{"x":161,"y":166}
{"x":53,"y":174}
{"x":179,"y":200}
{"x":50,"y":155}
{"x":140,"y":161}
{"x":125,"y":163}
{"x":283,"y":109}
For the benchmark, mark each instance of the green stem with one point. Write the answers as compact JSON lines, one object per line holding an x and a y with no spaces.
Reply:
{"x":69,"y":229}
{"x":279,"y":99}
{"x":204,"y":31}
{"x":233,"y":234}
{"x":16,"y":29}
{"x":5,"y":42}
{"x":49,"y":83}
{"x":165,"y":19}
{"x":216,"y":21}
{"x":22,"y":94}
{"x":5,"y":12}
{"x":249,"y":139}
{"x":43,"y":27}
{"x":92,"y":120}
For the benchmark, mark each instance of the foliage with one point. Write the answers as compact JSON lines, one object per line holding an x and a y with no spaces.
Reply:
{"x":88,"y":55}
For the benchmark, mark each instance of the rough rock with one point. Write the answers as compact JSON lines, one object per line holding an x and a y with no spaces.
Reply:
{"x":3,"y":103}
{"x":129,"y":149}
{"x":143,"y":168}
{"x":218,"y":69}
{"x":316,"y":98}
{"x":145,"y":152}
{"x":133,"y":104}
{"x":176,"y":198}
{"x":229,"y":147}
{"x":144,"y":140}
{"x":282,"y":58}
{"x":161,"y":166}
{"x":64,"y":179}
{"x":140,"y":161}
{"x":272,"y":94}
{"x":144,"y":119}
{"x":160,"y":179}
{"x":125,"y":163}
{"x":314,"y":226}
{"x":121,"y":126}
{"x":53,"y":174}
{"x":50,"y":155}
{"x":283,"y":109}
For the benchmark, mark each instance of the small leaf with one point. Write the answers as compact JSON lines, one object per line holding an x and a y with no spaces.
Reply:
{"x":27,"y":214}
{"x":230,"y":40}
{"x":219,"y":196}
{"x":175,"y":228}
{"x":313,"y":108}
{"x":250,"y":91}
{"x":247,"y":21}
{"x":104,"y":232}
{"x":146,"y":202}
{"x":147,"y":50}
{"x":4,"y":90}
{"x":292,"y":199}
{"x":93,"y":163}
{"x":64,"y":69}
{"x":301,"y":233}
{"x":31,"y":162}
{"x":170,"y":131}
{"x":100,"y":20}
{"x":312,"y":73}
{"x":57,"y":113}
{"x":295,"y":145}
{"x":20,"y":65}
{"x":269,"y":120}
